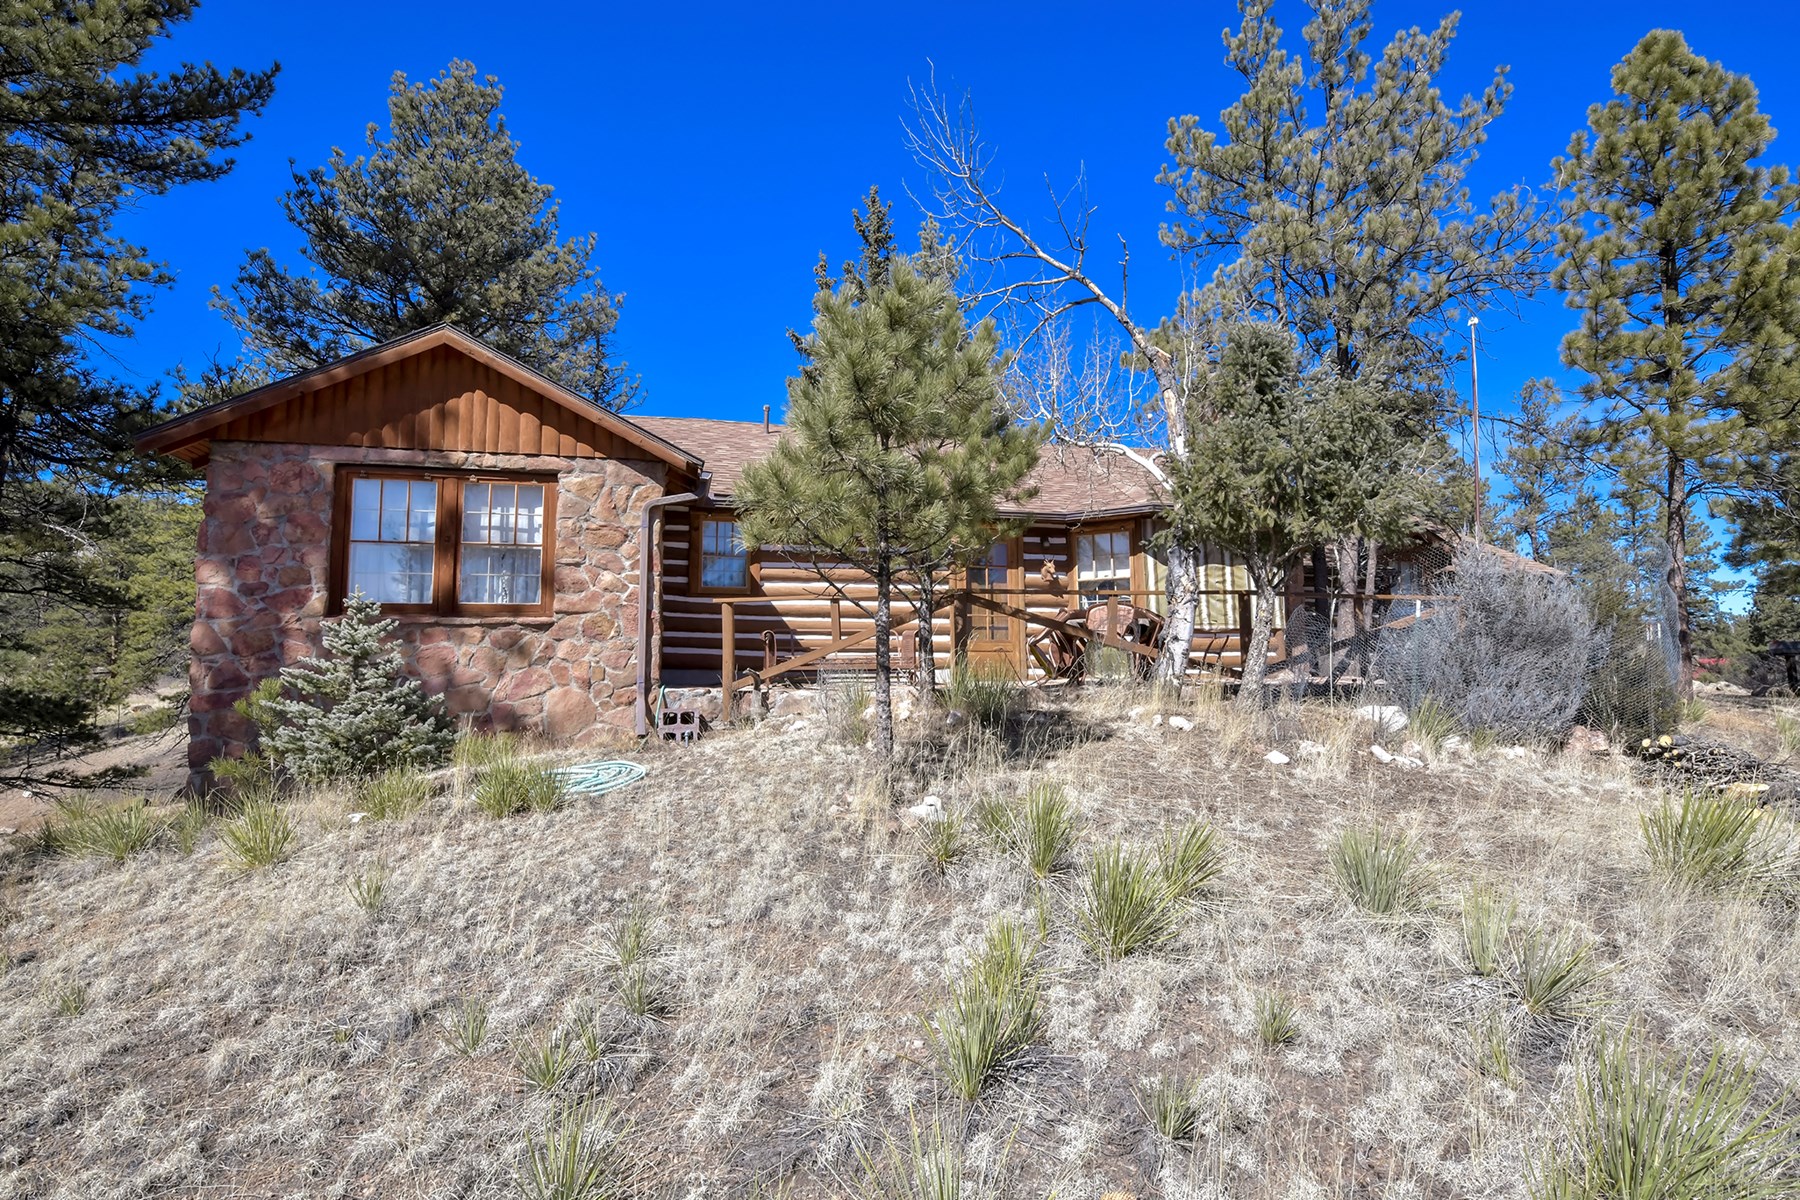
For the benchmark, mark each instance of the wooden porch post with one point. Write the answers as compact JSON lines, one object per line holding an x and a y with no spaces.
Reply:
{"x":727,"y":652}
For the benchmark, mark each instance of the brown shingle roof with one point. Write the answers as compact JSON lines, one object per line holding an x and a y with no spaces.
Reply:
{"x":1071,"y":483}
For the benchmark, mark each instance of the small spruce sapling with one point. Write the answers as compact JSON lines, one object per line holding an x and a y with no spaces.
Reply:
{"x":354,"y":712}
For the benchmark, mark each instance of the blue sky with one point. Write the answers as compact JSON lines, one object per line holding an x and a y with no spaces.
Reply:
{"x":715,"y":150}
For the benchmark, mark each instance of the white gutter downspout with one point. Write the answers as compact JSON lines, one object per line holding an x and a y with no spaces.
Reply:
{"x":647,"y":572}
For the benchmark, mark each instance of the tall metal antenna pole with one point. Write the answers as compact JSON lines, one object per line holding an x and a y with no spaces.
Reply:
{"x":1475,"y":394}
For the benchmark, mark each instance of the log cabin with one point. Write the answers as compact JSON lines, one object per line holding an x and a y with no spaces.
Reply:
{"x":554,"y":567}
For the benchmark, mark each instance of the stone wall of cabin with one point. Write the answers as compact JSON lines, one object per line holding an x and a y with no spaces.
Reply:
{"x":263,"y":572}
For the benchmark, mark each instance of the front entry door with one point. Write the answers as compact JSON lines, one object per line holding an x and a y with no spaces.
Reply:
{"x":992,"y":640}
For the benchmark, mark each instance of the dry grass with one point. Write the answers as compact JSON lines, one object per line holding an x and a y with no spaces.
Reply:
{"x":173,"y":1025}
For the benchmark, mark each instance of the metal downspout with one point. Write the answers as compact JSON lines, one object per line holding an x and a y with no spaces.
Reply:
{"x":648,"y":554}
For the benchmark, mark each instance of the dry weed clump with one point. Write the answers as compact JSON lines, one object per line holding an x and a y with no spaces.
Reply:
{"x":256,"y":1026}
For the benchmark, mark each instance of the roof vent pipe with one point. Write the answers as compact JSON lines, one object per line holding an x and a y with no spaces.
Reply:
{"x":765,"y":418}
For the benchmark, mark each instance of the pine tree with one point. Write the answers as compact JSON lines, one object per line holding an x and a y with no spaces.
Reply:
{"x":898,"y":446}
{"x":354,"y":712}
{"x":1287,"y":462}
{"x":1678,"y":253}
{"x":85,"y":136}
{"x":438,"y":222}
{"x":1541,"y":466}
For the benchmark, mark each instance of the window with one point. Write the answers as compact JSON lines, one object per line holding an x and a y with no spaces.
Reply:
{"x":393,"y":539}
{"x":502,"y":543}
{"x":1103,"y":565}
{"x":724,"y":559}
{"x":446,"y":544}
{"x":991,"y":576}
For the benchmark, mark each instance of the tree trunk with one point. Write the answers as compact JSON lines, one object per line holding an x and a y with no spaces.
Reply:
{"x":884,"y":665}
{"x":1178,"y":625}
{"x":1675,"y":504}
{"x":1256,"y":654}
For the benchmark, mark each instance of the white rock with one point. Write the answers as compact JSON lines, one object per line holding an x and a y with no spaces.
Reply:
{"x":1412,"y":749}
{"x":1311,"y":750}
{"x":1134,"y":714}
{"x":1454,"y":744}
{"x":1380,"y":755}
{"x":357,"y":818}
{"x":1407,"y":763}
{"x":1519,"y":752}
{"x":1386,"y":716}
{"x":1156,"y":720}
{"x":1181,"y":723}
{"x":1276,"y":757}
{"x":929,"y":809}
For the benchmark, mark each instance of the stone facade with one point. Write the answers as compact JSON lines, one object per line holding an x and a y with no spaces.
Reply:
{"x":263,"y":573}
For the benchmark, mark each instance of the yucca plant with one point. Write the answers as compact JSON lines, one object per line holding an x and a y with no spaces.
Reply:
{"x":509,"y":787}
{"x":118,"y":833}
{"x":368,"y":888}
{"x":261,"y":835}
{"x":1706,"y":840}
{"x":993,"y":817}
{"x":1787,"y":732}
{"x":1190,"y":859}
{"x":189,"y":824}
{"x":394,"y":795}
{"x":928,"y":1166}
{"x":1277,"y":1020}
{"x":1124,"y":905}
{"x":1554,"y":976}
{"x":1487,"y":919}
{"x":631,"y":945}
{"x":581,"y":1156}
{"x":982,"y":692}
{"x":994,"y":1012}
{"x":943,"y":842}
{"x":547,"y":1063}
{"x":1171,"y":1107}
{"x":70,"y":999}
{"x":1431,"y":723}
{"x":1378,"y":870}
{"x":1044,"y":829}
{"x":466,"y":1030}
{"x":1648,"y":1129}
{"x":474,"y":751}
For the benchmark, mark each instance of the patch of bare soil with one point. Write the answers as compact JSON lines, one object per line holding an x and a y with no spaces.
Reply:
{"x":174,"y":1025}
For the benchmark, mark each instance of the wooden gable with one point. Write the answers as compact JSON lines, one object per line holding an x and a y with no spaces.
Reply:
{"x":440,"y":390}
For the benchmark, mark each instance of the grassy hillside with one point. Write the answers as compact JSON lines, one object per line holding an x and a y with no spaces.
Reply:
{"x":733,"y":961}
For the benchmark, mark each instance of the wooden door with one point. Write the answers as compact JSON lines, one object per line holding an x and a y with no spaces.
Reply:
{"x":992,"y":640}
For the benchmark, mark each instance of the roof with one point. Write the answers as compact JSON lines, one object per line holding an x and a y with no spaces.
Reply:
{"x":185,"y":436}
{"x":1071,"y":483}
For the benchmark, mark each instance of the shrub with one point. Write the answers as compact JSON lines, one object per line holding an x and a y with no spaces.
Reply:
{"x":261,"y":835}
{"x":1691,"y":711}
{"x":249,"y":777}
{"x":354,"y":712}
{"x":1190,"y":859}
{"x":928,"y":1166}
{"x":1124,"y":905}
{"x":1646,"y":1129}
{"x":1432,"y":723}
{"x":1706,"y":840}
{"x":579,"y":1157}
{"x":1631,"y":690}
{"x":983,"y":692}
{"x":1512,"y":654}
{"x":465,"y":1032}
{"x":1486,"y":926}
{"x":394,"y":795}
{"x":510,"y":787}
{"x":1044,"y":829}
{"x":993,"y":1014}
{"x":1277,"y":1021}
{"x":1378,"y":871}
{"x":1171,"y":1107}
{"x":1553,"y":976}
